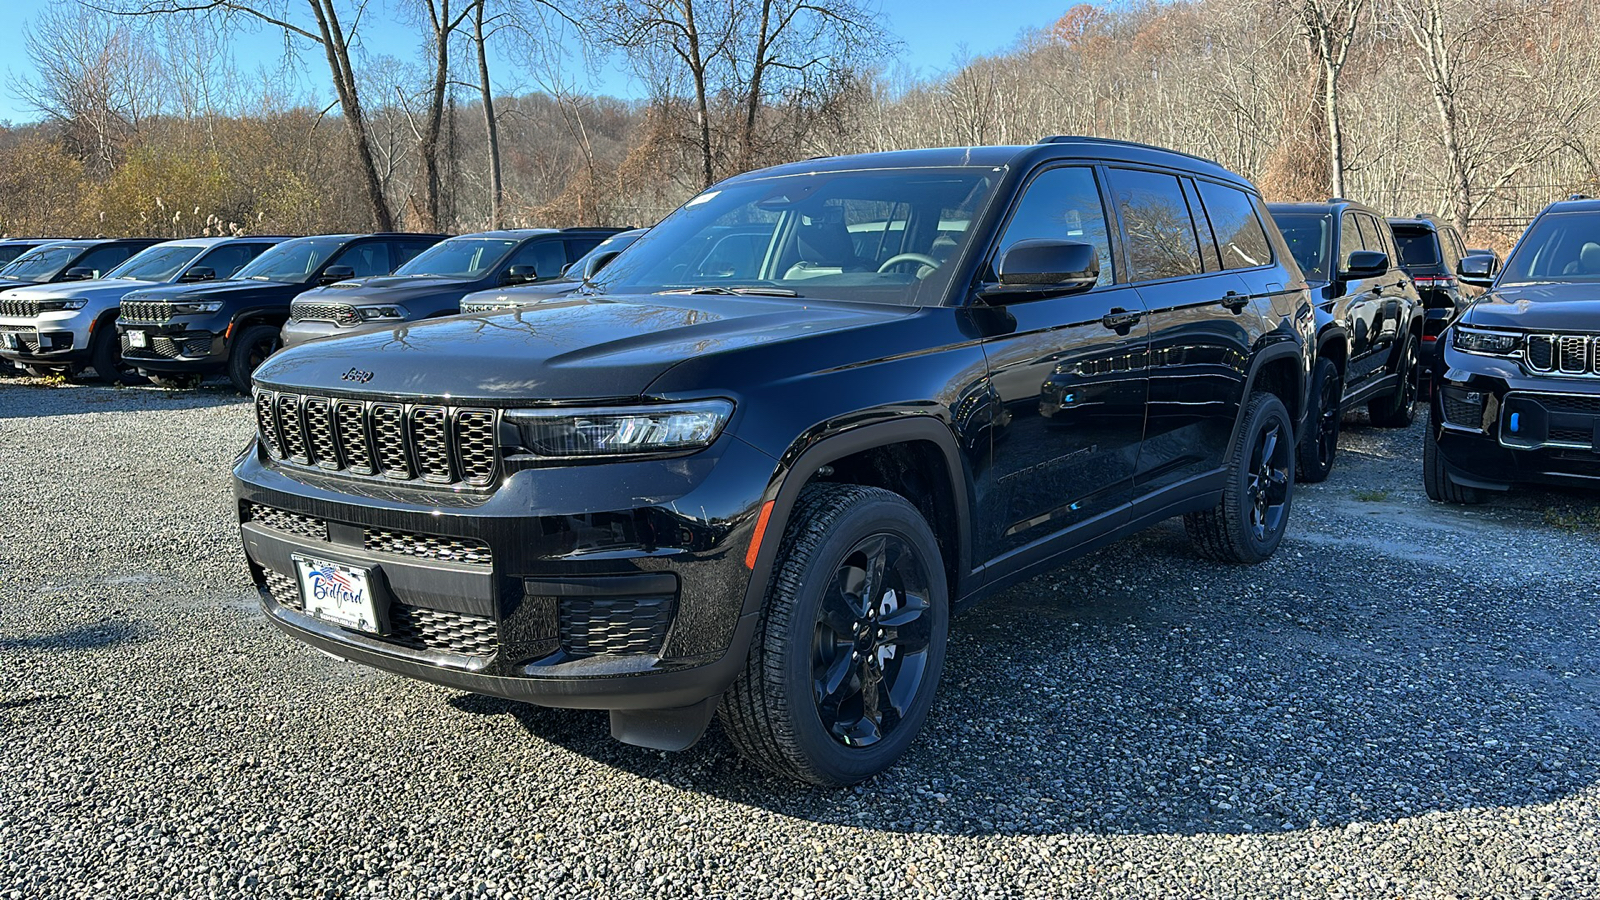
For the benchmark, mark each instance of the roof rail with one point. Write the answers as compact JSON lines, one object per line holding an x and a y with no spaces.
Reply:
{"x":1089,"y":139}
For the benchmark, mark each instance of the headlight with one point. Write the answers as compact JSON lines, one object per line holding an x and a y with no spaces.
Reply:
{"x":1487,"y":343}
{"x":622,"y":430}
{"x":60,"y":305}
{"x":195,"y":308}
{"x":368,"y":313}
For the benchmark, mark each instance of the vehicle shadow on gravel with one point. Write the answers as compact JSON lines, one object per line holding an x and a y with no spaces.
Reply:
{"x":96,"y":636}
{"x":1142,"y":691}
{"x":27,"y":398}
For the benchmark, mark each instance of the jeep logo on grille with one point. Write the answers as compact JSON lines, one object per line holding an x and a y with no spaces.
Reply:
{"x":357,"y":376}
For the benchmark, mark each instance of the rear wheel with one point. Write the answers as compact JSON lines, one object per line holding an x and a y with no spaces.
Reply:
{"x":1321,"y":442}
{"x":250,"y":350}
{"x":1249,"y":522}
{"x":1397,"y":409}
{"x":1436,"y":479}
{"x":846,"y":659}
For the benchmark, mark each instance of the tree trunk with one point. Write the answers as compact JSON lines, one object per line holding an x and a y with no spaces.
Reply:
{"x":429,"y":147}
{"x":1330,"y":101}
{"x":344,"y":82}
{"x":752,"y":110}
{"x":697,"y":66}
{"x":491,"y":128}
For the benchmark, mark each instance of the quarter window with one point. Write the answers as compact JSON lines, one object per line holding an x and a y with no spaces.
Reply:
{"x":1349,"y":239}
{"x":1161,"y":234}
{"x":1062,"y":205}
{"x":1240,"y":238}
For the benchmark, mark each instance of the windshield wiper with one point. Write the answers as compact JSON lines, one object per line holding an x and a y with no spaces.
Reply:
{"x":746,"y":291}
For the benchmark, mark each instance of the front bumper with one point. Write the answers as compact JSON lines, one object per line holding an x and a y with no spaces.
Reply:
{"x":176,"y":346}
{"x":1497,"y":426}
{"x":562,"y":587}
{"x":48,"y":339}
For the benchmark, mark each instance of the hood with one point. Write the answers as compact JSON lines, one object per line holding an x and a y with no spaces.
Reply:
{"x":579,"y":348}
{"x":216,"y":290}
{"x":100,"y":289}
{"x":531,"y":293}
{"x":1538,"y":307}
{"x":390,"y":289}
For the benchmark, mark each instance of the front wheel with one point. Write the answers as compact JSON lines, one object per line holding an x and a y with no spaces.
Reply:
{"x":1436,"y":479}
{"x":1249,"y":522}
{"x":250,"y":349}
{"x":845,"y":662}
{"x":1397,"y":409}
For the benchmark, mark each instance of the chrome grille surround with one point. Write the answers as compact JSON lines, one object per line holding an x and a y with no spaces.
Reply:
{"x":339,"y":313}
{"x":1572,"y":355}
{"x":15,"y":307}
{"x":157,"y":312}
{"x":439,"y":445}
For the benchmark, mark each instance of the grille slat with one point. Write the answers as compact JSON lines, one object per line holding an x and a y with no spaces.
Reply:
{"x":1574,"y":354}
{"x":158,"y":312}
{"x":437,"y":629}
{"x":13,"y":307}
{"x":437,"y":444}
{"x":340,"y":313}
{"x":293,"y":523}
{"x":591,"y":626}
{"x":1563,"y":354}
{"x":428,"y":546}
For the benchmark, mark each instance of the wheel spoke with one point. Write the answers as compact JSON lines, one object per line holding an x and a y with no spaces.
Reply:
{"x":834,"y":677}
{"x":1269,"y":445}
{"x":839,"y":611}
{"x":876,"y":551}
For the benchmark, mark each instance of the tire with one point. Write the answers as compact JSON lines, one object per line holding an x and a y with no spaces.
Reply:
{"x":177,"y":382}
{"x":1321,"y":442}
{"x":1249,"y":522}
{"x":249,"y":350}
{"x":1397,"y":409}
{"x":1436,"y":479}
{"x":105,"y":354}
{"x":771,"y":713}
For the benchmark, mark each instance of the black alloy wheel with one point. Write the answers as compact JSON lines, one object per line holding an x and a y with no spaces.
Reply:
{"x":1398,"y":408}
{"x":1321,"y":443}
{"x":870,"y":650}
{"x":1249,"y":522}
{"x":1268,"y":483}
{"x":250,"y":350}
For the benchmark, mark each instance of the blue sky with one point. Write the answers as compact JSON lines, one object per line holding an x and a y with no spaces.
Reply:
{"x":934,"y":32}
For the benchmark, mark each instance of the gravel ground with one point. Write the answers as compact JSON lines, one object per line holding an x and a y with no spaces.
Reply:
{"x":1404,"y":702}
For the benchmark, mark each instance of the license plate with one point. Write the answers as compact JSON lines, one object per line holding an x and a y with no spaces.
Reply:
{"x":136,"y":339}
{"x":337,"y":593}
{"x":10,"y":340}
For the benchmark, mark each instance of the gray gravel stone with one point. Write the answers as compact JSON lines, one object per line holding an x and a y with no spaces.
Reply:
{"x":1402,"y":702}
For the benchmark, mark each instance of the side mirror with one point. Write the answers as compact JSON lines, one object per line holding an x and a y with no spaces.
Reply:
{"x":1366,"y":264}
{"x":597,"y":262}
{"x":521,"y":275}
{"x":1478,"y":269}
{"x":78,"y":273}
{"x":1036,"y":269}
{"x":337,"y":273}
{"x":198,"y":273}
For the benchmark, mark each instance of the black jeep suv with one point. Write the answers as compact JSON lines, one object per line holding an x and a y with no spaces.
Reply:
{"x":433,"y":283}
{"x":760,"y":484}
{"x":1431,"y":252}
{"x":1519,"y":385}
{"x":178,"y":334}
{"x":75,"y":260}
{"x":1369,"y":322}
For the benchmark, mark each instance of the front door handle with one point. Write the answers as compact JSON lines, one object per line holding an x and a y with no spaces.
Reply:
{"x":1234,"y":301}
{"x":1120,"y":320}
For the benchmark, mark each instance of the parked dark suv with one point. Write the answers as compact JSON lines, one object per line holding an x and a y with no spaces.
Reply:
{"x":571,"y":278}
{"x":1369,"y":322}
{"x":1519,"y":388}
{"x":11,"y":248}
{"x":433,"y":283}
{"x":760,"y":483}
{"x":76,"y":260}
{"x":1431,"y":252}
{"x":178,"y":334}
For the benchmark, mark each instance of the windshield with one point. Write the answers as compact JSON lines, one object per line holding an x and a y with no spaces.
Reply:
{"x":1309,"y":238}
{"x":156,"y":264}
{"x":1557,"y":247}
{"x":291,"y":261}
{"x":869,"y":236}
{"x":463,"y":257}
{"x":40,"y":265}
{"x":1417,"y":248}
{"x":614,"y":244}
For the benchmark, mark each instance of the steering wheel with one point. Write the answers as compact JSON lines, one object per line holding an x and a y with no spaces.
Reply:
{"x":902,"y":258}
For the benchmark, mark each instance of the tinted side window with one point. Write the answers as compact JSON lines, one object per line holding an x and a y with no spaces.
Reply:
{"x":577,"y":247}
{"x":368,"y":259}
{"x":1349,"y":239}
{"x":547,"y":257}
{"x":1203,"y":228}
{"x":1161,"y":238}
{"x":229,"y":258}
{"x":1062,"y":205}
{"x":103,"y":259}
{"x":1240,"y":237}
{"x":1379,"y":237}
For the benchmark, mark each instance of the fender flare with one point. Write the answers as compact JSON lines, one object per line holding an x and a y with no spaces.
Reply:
{"x":807,"y":457}
{"x":1280,"y":350}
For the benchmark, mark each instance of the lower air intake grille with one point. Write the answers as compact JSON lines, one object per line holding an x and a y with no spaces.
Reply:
{"x":595,"y":625}
{"x":284,"y":591}
{"x":293,"y":523}
{"x":427,"y":546}
{"x":436,"y":629}
{"x":1460,"y":412}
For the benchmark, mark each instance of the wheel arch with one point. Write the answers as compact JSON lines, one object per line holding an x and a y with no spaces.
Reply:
{"x":1278,"y":370}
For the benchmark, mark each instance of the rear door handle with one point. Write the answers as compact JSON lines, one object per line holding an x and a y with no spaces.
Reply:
{"x":1234,"y":301}
{"x":1120,"y":320}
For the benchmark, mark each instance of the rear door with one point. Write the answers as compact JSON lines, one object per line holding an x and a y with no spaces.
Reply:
{"x":1202,"y":324}
{"x":1070,"y":376}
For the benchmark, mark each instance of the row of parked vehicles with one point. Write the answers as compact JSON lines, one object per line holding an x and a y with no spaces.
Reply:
{"x":750,"y":466}
{"x":177,"y":311}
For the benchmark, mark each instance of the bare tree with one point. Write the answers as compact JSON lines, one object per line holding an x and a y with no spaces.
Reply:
{"x":491,"y":128}
{"x":1329,"y":28}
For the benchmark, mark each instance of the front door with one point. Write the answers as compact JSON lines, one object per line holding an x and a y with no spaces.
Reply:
{"x":1070,"y":375}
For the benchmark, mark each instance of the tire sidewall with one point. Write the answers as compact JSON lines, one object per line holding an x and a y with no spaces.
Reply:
{"x":1269,"y":410}
{"x":1310,"y":465}
{"x":841,"y":764}
{"x":239,"y":368}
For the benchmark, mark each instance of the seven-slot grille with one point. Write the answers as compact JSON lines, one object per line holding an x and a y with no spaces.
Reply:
{"x":341,"y":313}
{"x":404,"y":442}
{"x":156,"y":311}
{"x":1563,"y":354}
{"x":10,"y":307}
